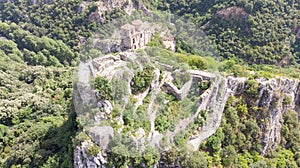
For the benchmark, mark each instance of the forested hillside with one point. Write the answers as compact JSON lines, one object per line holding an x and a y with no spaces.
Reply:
{"x":38,"y":46}
{"x":260,"y":31}
{"x":39,"y":49}
{"x":56,"y":19}
{"x":36,"y":120}
{"x":256,"y":33}
{"x":40,"y":43}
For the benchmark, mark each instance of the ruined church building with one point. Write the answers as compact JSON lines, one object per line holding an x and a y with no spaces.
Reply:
{"x":135,"y":35}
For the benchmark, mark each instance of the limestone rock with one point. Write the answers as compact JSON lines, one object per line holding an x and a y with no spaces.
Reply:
{"x":102,"y":135}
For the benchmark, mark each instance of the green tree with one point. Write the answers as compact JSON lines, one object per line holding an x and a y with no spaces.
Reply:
{"x":195,"y":159}
{"x":103,"y":86}
{"x":214,"y":142}
{"x":228,"y":155}
{"x":142,"y":79}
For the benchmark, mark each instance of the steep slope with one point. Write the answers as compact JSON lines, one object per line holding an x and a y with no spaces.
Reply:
{"x":259,"y":126}
{"x":250,"y":121}
{"x":260,"y":31}
{"x":36,"y":119}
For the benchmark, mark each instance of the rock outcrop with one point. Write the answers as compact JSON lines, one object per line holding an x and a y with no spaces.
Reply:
{"x":83,"y":160}
{"x":107,"y":6}
{"x":274,"y":96}
{"x":213,"y":101}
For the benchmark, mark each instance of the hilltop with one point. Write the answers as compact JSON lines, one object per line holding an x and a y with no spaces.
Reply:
{"x":227,"y":97}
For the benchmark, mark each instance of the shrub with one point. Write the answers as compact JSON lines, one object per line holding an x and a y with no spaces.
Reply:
{"x":204,"y":85}
{"x":156,"y":41}
{"x":92,"y":150}
{"x":104,"y":88}
{"x":287,"y":100}
{"x":252,"y":88}
{"x":142,"y":80}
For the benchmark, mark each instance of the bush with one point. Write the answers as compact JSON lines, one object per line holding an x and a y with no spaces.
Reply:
{"x":142,"y":80}
{"x":204,"y":85}
{"x":104,"y":88}
{"x":92,"y":150}
{"x":287,"y":100}
{"x":252,"y":88}
{"x":195,"y":159}
{"x":156,"y":41}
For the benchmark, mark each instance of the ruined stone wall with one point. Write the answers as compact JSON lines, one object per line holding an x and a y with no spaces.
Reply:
{"x":127,"y":43}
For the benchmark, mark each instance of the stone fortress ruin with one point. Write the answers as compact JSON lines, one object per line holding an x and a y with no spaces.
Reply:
{"x":136,"y":35}
{"x":206,"y":107}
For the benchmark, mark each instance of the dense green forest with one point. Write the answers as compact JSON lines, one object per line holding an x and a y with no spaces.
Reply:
{"x":260,"y":31}
{"x":38,"y":46}
{"x":39,"y":49}
{"x":56,"y":19}
{"x":36,"y":119}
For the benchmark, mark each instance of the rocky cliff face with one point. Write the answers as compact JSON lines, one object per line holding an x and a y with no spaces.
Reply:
{"x":104,"y":7}
{"x":214,"y":100}
{"x":272,"y":98}
{"x":275,"y":97}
